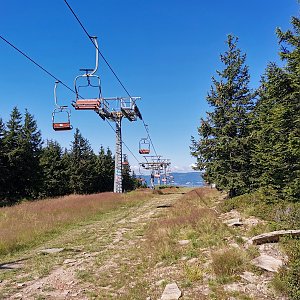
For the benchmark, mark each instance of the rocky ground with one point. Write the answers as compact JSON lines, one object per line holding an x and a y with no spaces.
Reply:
{"x":112,"y":259}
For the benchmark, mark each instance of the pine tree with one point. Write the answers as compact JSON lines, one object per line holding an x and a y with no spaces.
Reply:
{"x":276,"y":152}
{"x":55,"y":170}
{"x":223,"y":148}
{"x":290,"y":53}
{"x":105,"y":171}
{"x":14,"y":153}
{"x":82,"y":165}
{"x":128,"y":181}
{"x":32,"y":145}
{"x":3,"y":163}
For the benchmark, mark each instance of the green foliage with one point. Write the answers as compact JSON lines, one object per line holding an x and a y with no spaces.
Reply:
{"x":31,"y":171}
{"x":54,"y":164}
{"x":105,"y":165}
{"x":3,"y":162}
{"x":82,"y":162}
{"x":276,"y":122}
{"x":288,"y":279}
{"x":32,"y":145}
{"x":223,"y":148}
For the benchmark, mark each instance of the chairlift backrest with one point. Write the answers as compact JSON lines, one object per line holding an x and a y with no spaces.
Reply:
{"x":63,"y":111}
{"x":144,"y":146}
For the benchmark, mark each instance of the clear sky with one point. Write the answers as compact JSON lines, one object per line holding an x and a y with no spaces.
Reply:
{"x":164,"y":51}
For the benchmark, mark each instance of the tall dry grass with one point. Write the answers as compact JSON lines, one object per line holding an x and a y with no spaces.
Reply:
{"x":190,"y":218}
{"x":29,"y":222}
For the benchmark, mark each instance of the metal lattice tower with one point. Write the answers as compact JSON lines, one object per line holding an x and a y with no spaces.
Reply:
{"x":158,"y":166}
{"x":118,"y":156}
{"x":112,"y":109}
{"x":122,"y":107}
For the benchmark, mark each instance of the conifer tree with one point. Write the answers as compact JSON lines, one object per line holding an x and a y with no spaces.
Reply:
{"x":105,"y":171}
{"x":276,"y":152}
{"x":3,"y":163}
{"x":14,"y":153}
{"x":223,"y":148}
{"x":290,"y":53}
{"x":128,"y":181}
{"x":32,"y":145}
{"x":82,"y":165}
{"x":55,"y":170}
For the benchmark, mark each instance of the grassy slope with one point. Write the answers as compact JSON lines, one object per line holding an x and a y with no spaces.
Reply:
{"x":31,"y":223}
{"x":128,"y":248}
{"x":278,"y":215}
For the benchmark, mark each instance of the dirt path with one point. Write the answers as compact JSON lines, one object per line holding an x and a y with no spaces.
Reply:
{"x":133,"y":252}
{"x":92,"y":258}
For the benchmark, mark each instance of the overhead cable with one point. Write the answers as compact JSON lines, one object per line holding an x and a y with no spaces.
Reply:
{"x":107,"y":63}
{"x":50,"y":74}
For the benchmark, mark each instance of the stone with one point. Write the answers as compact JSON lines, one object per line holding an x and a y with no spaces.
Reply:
{"x":183,"y":242}
{"x":52,"y":250}
{"x":18,"y":296}
{"x":69,"y":261}
{"x":233,"y":222}
{"x":183,"y":258}
{"x":233,"y":287}
{"x":273,"y":236}
{"x":267,"y":262}
{"x":171,"y":292}
{"x":192,"y":261}
{"x":250,"y":277}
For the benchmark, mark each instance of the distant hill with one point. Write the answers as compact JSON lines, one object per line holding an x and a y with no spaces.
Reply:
{"x":183,"y":179}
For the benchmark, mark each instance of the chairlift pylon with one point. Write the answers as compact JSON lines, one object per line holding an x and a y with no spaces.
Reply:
{"x":61,"y":110}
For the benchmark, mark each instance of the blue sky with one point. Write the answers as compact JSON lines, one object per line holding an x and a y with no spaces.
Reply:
{"x":164,"y":51}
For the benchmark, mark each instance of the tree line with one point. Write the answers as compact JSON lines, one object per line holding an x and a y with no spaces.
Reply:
{"x":250,"y":140}
{"x":33,"y":169}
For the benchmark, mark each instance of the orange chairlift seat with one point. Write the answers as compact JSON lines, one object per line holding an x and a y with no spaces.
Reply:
{"x":93,"y":83}
{"x":144,"y":146}
{"x":62,"y":113}
{"x":92,"y":103}
{"x":60,"y":126}
{"x":125,"y":160}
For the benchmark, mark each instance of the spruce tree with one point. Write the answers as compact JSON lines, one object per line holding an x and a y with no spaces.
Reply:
{"x":32,"y":145}
{"x":290,"y":53}
{"x":105,"y":171}
{"x":82,"y":165}
{"x":3,"y":163}
{"x":276,"y":152}
{"x":14,"y":153}
{"x":55,"y":170}
{"x":128,"y":181}
{"x":223,"y":148}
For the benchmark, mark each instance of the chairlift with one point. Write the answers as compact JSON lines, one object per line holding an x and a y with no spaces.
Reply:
{"x":93,"y":81}
{"x":144,"y":146}
{"x":125,"y":160}
{"x":63,"y":113}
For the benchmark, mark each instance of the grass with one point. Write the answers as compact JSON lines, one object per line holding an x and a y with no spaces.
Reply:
{"x":228,"y":262}
{"x":31,"y":223}
{"x":189,"y":219}
{"x":278,"y":214}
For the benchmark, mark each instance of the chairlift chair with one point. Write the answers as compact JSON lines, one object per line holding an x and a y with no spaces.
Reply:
{"x":64,"y":123}
{"x":61,"y":126}
{"x":144,"y":146}
{"x":125,"y":160}
{"x":92,"y":103}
